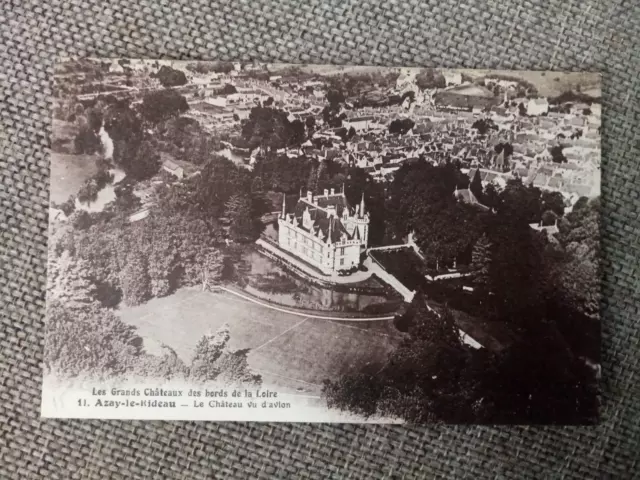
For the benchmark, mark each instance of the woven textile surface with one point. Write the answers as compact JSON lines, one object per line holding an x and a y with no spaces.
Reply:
{"x":524,"y":34}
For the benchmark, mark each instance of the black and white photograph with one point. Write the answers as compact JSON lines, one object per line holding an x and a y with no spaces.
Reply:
{"x":323,"y":243}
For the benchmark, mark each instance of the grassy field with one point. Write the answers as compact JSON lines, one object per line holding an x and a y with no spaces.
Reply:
{"x":68,"y":174}
{"x":291,"y":352}
{"x":550,"y":83}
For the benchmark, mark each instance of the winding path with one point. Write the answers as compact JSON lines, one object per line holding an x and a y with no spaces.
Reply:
{"x":301,"y":314}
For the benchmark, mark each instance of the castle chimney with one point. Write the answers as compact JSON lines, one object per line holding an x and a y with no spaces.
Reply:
{"x":309,"y":196}
{"x":326,"y":192}
{"x":333,"y":191}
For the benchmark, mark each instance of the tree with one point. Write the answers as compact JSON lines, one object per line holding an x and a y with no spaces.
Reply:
{"x":270,"y":129}
{"x":81,"y":220}
{"x":483,"y":126}
{"x":420,"y":382}
{"x":553,"y":201}
{"x":257,"y":186}
{"x":312,"y":180}
{"x":577,"y":274}
{"x":163,"y":104}
{"x":335,"y":97}
{"x":421,"y":198}
{"x":556,"y":154}
{"x":481,"y":263}
{"x":507,"y":147}
{"x":411,"y":95}
{"x":546,"y":382}
{"x":491,"y":196}
{"x":211,"y":263}
{"x":310,"y":124}
{"x":438,"y":328}
{"x":170,"y":77}
{"x":218,"y":181}
{"x":166,"y":366}
{"x":517,"y":270}
{"x":401,"y":126}
{"x":297,"y":133}
{"x":228,"y":89}
{"x":548,"y":218}
{"x":89,"y":191}
{"x":142,"y":162}
{"x":476,"y":186}
{"x":242,"y":224}
{"x":71,"y":284}
{"x":520,"y":203}
{"x":429,"y":79}
{"x":86,"y":141}
{"x":89,"y":341}
{"x":215,"y":361}
{"x":134,"y":279}
{"x":204,"y":67}
{"x":123,"y":124}
{"x":522,"y":110}
{"x":160,"y":249}
{"x":358,"y":393}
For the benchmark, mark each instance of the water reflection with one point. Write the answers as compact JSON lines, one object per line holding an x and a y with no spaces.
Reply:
{"x":267,"y":280}
{"x":231,"y":155}
{"x":104,"y":196}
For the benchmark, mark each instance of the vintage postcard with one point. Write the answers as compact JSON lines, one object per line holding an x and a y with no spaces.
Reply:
{"x":308,"y":243}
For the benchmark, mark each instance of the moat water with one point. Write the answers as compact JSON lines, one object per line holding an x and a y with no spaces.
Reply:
{"x":268,"y":280}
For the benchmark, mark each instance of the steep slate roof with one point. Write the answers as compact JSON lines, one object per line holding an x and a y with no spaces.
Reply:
{"x":465,"y":195}
{"x":322,"y":220}
{"x":338,"y":201}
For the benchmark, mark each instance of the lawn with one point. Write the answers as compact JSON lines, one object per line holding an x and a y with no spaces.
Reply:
{"x":291,"y":352}
{"x":68,"y":174}
{"x":317,"y":349}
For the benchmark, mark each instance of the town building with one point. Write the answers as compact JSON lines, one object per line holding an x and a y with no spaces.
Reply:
{"x":537,"y":106}
{"x":325,"y":231}
{"x":465,"y":195}
{"x":173,"y":168}
{"x":360,"y":124}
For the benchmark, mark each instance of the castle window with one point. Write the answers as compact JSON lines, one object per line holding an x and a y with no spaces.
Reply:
{"x":342,"y":261}
{"x":341,"y":250}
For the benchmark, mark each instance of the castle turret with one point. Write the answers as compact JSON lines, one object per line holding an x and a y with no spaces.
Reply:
{"x":362,"y":206}
{"x":284,"y":200}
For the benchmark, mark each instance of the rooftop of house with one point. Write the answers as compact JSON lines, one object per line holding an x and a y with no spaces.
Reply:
{"x":170,"y":165}
{"x":539,"y":101}
{"x":325,"y":212}
{"x":360,"y":119}
{"x":465,"y":195}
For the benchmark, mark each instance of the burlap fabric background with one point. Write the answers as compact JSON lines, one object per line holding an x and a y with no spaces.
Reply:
{"x":536,"y":34}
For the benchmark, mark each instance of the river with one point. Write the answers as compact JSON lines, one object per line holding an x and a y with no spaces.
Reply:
{"x":105,"y":195}
{"x":234,"y":157}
